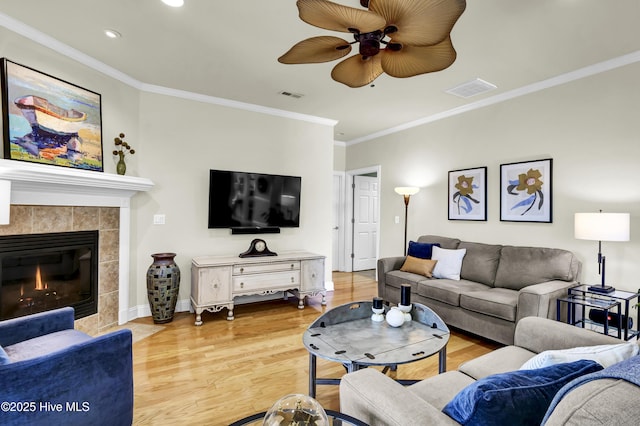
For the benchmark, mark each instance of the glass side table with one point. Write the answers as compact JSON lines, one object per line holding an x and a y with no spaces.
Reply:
{"x":584,"y":301}
{"x":625,"y":298}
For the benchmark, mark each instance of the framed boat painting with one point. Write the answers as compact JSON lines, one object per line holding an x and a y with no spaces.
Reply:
{"x":525,"y":191}
{"x":468,"y":194}
{"x":48,"y":120}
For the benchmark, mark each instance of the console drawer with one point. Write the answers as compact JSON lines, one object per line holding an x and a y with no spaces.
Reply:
{"x":271,"y":281}
{"x":260,"y":268}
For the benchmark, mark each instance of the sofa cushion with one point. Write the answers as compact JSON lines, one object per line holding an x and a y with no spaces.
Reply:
{"x":522,"y":266}
{"x":518,"y":397}
{"x":501,"y":360}
{"x":447,"y":291}
{"x":605,"y":355}
{"x":444,"y":242}
{"x":481,"y":262}
{"x":418,"y":266}
{"x":598,"y":403}
{"x":44,"y":345}
{"x":449,"y":262}
{"x":438,"y":390}
{"x":396,"y":278}
{"x":497,"y":302}
{"x":420,"y":250}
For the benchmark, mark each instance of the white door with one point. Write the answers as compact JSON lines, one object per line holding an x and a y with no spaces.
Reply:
{"x":365,"y":222}
{"x":336,"y":233}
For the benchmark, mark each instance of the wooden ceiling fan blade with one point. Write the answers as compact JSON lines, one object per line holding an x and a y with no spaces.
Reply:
{"x":315,"y":50}
{"x":336,"y":17}
{"x":415,"y":60}
{"x":419,"y":22}
{"x":357,"y":71}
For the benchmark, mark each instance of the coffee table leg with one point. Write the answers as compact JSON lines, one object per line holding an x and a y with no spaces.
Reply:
{"x":312,"y":375}
{"x":442,"y":358}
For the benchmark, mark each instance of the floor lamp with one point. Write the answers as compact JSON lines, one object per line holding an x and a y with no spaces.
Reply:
{"x":406,"y":192}
{"x":601,"y":227}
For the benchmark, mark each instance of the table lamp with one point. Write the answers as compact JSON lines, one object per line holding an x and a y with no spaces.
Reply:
{"x":407,"y":192}
{"x":601,"y":227}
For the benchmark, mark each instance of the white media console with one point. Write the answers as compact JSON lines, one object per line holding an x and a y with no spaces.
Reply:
{"x":217,"y":280}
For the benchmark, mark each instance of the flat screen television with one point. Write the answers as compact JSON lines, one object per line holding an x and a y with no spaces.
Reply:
{"x":242,"y":200}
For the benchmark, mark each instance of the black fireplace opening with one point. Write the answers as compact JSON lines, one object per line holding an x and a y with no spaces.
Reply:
{"x":41,"y":272}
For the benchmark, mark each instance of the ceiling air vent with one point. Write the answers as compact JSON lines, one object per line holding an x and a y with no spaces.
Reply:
{"x":291,"y":94}
{"x":471,"y":88}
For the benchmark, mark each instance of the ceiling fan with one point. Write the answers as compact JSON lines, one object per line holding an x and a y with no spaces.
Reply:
{"x":402,"y":38}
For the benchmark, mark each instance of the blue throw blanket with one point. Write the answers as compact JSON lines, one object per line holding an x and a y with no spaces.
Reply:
{"x":628,"y":370}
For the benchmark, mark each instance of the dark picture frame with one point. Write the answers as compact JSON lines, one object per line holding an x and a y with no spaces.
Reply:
{"x":48,"y":120}
{"x":526,"y":191}
{"x":468,"y":194}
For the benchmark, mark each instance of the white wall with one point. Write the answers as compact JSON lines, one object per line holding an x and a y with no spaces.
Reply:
{"x":181,"y":140}
{"x":589,"y":127}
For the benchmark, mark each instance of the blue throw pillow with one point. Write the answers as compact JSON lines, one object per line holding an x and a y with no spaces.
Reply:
{"x":518,"y":397}
{"x":421,"y":250}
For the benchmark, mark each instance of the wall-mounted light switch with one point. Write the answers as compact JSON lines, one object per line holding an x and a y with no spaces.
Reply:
{"x":158,"y":219}
{"x":396,"y":219}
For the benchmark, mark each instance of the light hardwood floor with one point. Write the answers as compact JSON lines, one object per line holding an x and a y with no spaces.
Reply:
{"x":225,"y":370}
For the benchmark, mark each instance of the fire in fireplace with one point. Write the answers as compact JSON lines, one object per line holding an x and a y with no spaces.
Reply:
{"x":40,"y":272}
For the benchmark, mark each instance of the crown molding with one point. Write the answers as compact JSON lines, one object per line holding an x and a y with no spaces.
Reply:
{"x":66,"y":50}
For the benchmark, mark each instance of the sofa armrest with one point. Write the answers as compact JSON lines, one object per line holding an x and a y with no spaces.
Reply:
{"x":376,"y":399}
{"x":539,"y":300}
{"x":385,"y":265}
{"x":20,"y":329}
{"x":540,"y":334}
{"x":93,"y":380}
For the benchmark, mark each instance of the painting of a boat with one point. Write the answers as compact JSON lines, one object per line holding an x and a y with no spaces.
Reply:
{"x":52,"y":126}
{"x":48,"y":120}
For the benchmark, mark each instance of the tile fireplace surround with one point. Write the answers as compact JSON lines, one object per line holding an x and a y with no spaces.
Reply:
{"x":58,"y":199}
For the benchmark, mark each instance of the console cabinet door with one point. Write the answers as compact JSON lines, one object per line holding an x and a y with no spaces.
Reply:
{"x":214,"y":285}
{"x":312,"y":274}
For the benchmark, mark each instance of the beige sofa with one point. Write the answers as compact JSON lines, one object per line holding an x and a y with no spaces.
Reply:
{"x":499,"y":285}
{"x":377,"y":399}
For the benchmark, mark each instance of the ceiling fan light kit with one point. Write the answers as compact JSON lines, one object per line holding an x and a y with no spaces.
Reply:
{"x":402,"y":38}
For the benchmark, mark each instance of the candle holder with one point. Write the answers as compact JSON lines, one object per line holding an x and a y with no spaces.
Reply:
{"x":377,"y":315}
{"x":406,"y":309}
{"x":378,"y":310}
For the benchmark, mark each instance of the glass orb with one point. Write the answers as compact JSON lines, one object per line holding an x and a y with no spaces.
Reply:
{"x":296,"y":409}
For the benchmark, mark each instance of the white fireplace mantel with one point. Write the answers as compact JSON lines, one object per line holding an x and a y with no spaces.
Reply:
{"x":45,"y":185}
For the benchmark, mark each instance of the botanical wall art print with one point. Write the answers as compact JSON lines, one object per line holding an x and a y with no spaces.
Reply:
{"x":468,"y":194}
{"x":47,"y":120}
{"x":525,"y":191}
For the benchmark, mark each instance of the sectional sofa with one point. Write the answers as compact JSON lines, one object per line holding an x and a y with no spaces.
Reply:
{"x":493,"y":288}
{"x":603,"y":389}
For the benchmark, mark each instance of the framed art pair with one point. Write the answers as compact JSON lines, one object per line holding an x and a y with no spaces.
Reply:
{"x":525,"y":192}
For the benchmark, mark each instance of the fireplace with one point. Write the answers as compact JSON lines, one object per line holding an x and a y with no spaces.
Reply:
{"x":40,"y":272}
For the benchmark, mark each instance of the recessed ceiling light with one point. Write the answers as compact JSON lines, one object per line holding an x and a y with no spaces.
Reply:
{"x":112,"y":33}
{"x":173,"y":3}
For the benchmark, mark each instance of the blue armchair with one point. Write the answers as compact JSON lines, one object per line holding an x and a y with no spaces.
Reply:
{"x":52,"y":374}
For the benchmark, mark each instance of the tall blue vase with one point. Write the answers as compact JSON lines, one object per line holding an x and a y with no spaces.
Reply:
{"x":163,"y":285}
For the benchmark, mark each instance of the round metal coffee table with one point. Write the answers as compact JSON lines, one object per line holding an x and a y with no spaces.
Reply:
{"x":346,"y":334}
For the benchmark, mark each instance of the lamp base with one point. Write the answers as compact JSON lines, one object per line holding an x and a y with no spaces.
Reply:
{"x":605,"y":289}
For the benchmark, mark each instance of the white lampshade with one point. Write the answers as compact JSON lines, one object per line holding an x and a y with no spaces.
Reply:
{"x":406,"y":190}
{"x":5,"y":201}
{"x":602,"y":226}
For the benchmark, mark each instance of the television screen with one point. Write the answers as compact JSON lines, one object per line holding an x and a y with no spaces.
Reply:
{"x":240,"y":199}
